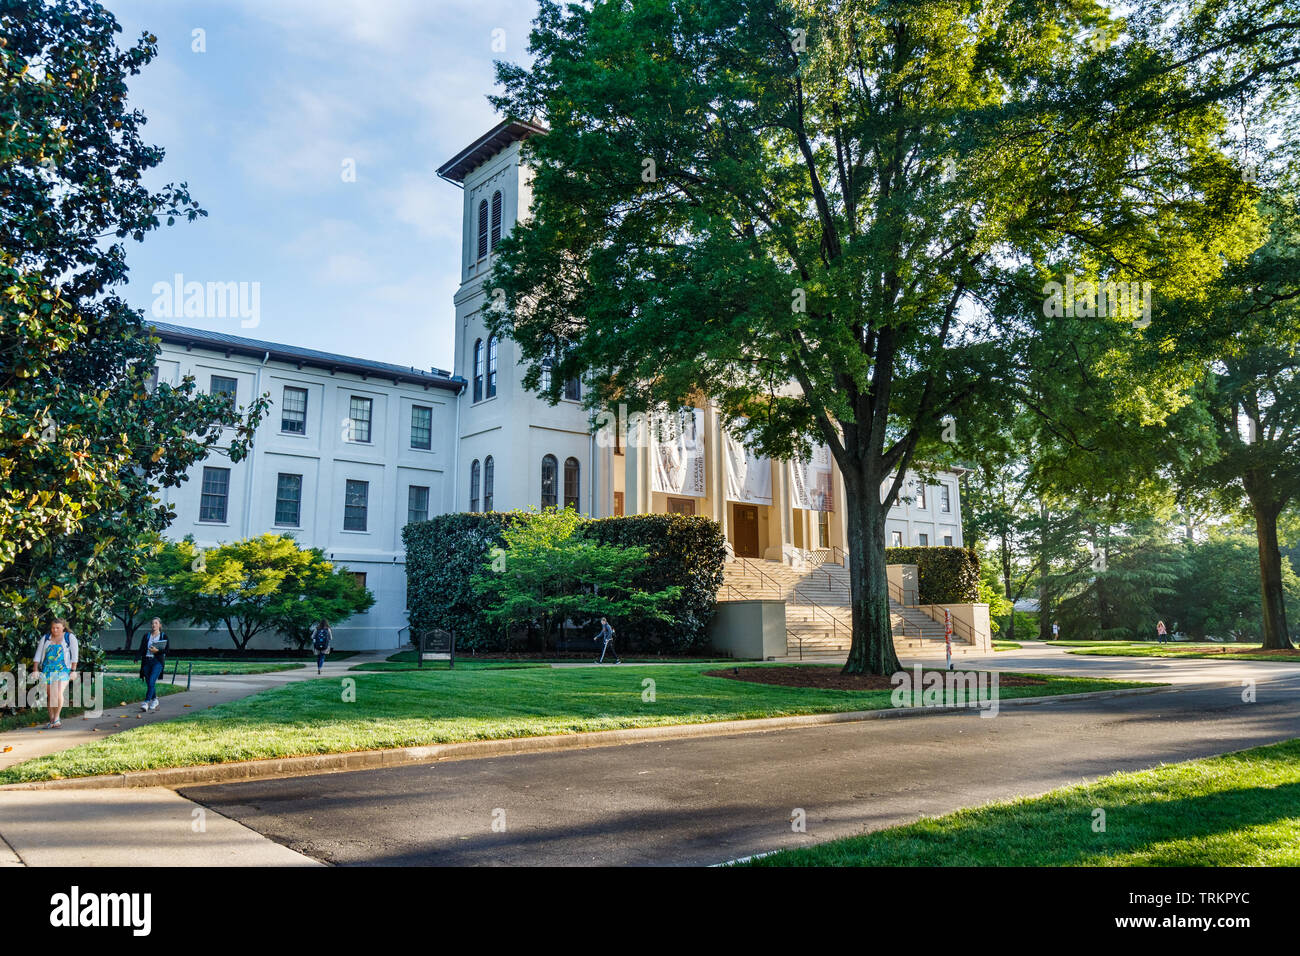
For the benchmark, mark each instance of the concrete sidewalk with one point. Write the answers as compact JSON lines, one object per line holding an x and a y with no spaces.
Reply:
{"x":31,"y":742}
{"x":146,"y":827}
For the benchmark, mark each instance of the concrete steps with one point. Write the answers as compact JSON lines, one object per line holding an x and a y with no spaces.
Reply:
{"x":817,"y":613}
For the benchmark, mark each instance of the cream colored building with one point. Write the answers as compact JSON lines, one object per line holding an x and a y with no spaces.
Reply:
{"x":517,"y":451}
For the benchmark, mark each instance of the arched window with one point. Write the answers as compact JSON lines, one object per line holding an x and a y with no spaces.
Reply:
{"x":572,"y":484}
{"x":482,"y":229}
{"x":496,"y":218}
{"x":550,"y":478}
{"x":473,"y":486}
{"x":478,"y":370}
{"x":546,"y":375}
{"x":492,"y":366}
{"x":489,"y":479}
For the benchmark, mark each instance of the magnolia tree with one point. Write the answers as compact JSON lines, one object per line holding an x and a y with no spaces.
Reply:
{"x":862,"y":224}
{"x":87,"y":442}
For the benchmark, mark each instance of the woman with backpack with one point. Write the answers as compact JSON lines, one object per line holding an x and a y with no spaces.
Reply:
{"x":56,"y":662}
{"x":153,"y":661}
{"x":321,"y":639}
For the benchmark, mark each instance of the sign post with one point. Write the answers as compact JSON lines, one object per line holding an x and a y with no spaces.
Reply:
{"x":947,"y":635}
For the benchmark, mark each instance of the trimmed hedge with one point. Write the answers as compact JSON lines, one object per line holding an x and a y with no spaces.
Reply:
{"x":444,"y":553}
{"x":688,"y":551}
{"x":945,"y":575}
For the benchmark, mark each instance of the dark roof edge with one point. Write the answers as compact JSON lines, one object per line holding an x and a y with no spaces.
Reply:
{"x":487,"y":146}
{"x":293,"y":355}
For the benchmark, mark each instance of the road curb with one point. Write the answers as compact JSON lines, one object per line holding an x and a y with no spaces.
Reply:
{"x":248,"y":770}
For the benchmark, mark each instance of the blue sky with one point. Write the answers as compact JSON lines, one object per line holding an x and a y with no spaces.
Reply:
{"x":260,"y":125}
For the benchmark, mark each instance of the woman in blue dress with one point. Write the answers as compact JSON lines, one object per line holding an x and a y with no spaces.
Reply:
{"x":56,"y":660}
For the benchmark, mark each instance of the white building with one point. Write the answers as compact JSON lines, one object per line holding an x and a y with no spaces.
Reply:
{"x":352,"y":449}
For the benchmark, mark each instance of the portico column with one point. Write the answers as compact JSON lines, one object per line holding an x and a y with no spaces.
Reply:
{"x":781,"y":498}
{"x":839,"y":535}
{"x":717,"y":470}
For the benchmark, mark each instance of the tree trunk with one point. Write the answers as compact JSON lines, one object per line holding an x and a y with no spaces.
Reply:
{"x":1276,"y":636}
{"x":1044,"y":617}
{"x":1006,"y":587}
{"x":872,"y":650}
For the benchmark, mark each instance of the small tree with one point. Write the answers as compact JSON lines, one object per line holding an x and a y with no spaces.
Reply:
{"x":264,"y":584}
{"x":547,"y":572}
{"x":145,"y":572}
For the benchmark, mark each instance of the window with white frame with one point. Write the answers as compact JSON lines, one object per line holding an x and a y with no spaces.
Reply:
{"x":288,"y":500}
{"x":421,"y":427}
{"x":356,"y":505}
{"x":214,"y":495}
{"x":293,"y":411}
{"x":417,"y":503}
{"x":359,"y":413}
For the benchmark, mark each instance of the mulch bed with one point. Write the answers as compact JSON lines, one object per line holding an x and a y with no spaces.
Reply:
{"x":830,"y":678}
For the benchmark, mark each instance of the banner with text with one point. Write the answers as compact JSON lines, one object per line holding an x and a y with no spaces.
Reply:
{"x":677,"y":453}
{"x":810,"y":481}
{"x":749,"y":476}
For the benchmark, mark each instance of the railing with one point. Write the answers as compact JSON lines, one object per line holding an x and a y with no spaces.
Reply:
{"x":780,"y":589}
{"x":907,"y":597}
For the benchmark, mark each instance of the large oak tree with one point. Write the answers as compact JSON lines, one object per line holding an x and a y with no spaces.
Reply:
{"x":827,"y":216}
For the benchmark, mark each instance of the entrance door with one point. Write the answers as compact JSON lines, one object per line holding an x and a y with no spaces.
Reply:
{"x":744,"y":530}
{"x":681,"y":506}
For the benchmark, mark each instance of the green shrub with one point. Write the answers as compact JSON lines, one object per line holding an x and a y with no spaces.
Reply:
{"x":444,"y":553}
{"x":442,"y":556}
{"x":945,"y":575}
{"x":684,"y":551}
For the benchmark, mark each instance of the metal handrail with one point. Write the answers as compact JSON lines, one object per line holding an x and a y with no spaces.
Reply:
{"x":780,"y":589}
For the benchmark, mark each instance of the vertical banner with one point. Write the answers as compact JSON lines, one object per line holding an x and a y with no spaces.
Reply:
{"x":810,"y":481}
{"x":677,"y":453}
{"x":749,"y":476}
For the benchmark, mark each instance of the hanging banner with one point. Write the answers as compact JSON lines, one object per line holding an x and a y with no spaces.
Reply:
{"x":749,"y":476}
{"x":810,"y":481}
{"x":677,"y":453}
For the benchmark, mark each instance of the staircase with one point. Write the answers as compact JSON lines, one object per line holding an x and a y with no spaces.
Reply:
{"x":818,"y":619}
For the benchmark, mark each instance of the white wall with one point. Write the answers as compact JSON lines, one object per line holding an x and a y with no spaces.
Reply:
{"x":326,"y":459}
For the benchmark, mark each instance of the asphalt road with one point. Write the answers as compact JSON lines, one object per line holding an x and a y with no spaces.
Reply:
{"x":709,"y":800}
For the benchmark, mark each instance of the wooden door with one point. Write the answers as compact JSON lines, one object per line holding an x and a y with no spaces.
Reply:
{"x":745,"y":530}
{"x":681,"y":506}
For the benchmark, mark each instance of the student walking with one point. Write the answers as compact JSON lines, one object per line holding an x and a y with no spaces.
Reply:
{"x":153,"y":661}
{"x":56,"y":662}
{"x":321,"y":639}
{"x":1162,"y":633}
{"x":607,"y":634}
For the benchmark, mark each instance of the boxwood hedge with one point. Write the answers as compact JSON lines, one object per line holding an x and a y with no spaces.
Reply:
{"x":445,"y":552}
{"x":945,"y":575}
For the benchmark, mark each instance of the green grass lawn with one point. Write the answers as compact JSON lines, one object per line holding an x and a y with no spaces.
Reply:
{"x":117,"y":691}
{"x":1239,"y":809}
{"x":407,"y":708}
{"x":405,"y":660}
{"x":205,"y":666}
{"x":1006,"y":646}
{"x":1202,"y":650}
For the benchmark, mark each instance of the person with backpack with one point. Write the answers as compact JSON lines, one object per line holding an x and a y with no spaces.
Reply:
{"x":153,"y":661}
{"x":321,"y":639}
{"x":56,"y":662}
{"x":607,"y":633}
{"x":1162,"y":633}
